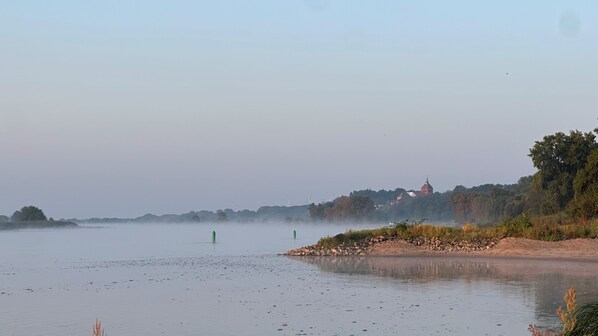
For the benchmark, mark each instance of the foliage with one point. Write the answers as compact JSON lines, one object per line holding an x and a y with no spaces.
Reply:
{"x":263,"y":214}
{"x":558,"y":158}
{"x":355,"y":236}
{"x":434,"y":207}
{"x":567,"y":179}
{"x":489,"y":203}
{"x":411,"y":229}
{"x":299,"y":212}
{"x":582,"y":321}
{"x":28,"y":213}
{"x":586,"y":321}
{"x":318,"y":212}
{"x":467,"y":227}
{"x":97,"y":329}
{"x":4,"y":218}
{"x":380,"y":197}
{"x":585,"y":187}
{"x":343,"y":208}
{"x":221,"y":216}
{"x":347,"y":237}
{"x":351,"y":208}
{"x":516,"y":227}
{"x":535,"y":331}
{"x":568,"y":317}
{"x":521,"y":226}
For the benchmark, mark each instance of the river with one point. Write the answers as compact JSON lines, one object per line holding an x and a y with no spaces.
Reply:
{"x":170,"y":279}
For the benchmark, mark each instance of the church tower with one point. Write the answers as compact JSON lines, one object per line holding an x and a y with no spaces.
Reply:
{"x":426,"y":189}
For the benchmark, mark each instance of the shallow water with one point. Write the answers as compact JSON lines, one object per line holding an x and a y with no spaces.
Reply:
{"x":171,"y":280}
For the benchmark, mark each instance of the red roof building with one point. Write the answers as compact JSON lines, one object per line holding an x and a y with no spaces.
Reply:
{"x":426,"y":189}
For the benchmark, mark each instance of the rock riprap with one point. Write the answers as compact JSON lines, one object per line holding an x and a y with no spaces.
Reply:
{"x":363,"y":246}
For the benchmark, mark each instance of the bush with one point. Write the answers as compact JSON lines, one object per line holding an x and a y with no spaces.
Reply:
{"x":517,"y":226}
{"x":586,"y":321}
{"x":547,"y":229}
{"x":343,"y":238}
{"x":547,"y":232}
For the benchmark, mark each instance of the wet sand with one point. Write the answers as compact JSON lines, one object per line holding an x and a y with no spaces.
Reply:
{"x":584,"y":249}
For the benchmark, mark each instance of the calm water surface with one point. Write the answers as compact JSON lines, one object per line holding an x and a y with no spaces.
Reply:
{"x":171,"y":280}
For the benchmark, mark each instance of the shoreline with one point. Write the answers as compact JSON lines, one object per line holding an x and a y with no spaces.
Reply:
{"x":579,"y":249}
{"x":36,"y":225}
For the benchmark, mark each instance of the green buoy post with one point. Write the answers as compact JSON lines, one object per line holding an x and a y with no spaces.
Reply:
{"x":213,"y":236}
{"x":294,"y":234}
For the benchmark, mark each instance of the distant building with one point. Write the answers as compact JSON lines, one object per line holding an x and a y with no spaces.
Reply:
{"x":426,"y":190}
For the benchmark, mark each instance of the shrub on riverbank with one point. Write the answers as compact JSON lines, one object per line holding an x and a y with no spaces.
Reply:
{"x":521,"y":226}
{"x":548,"y":229}
{"x":409,"y":230}
{"x":575,"y":321}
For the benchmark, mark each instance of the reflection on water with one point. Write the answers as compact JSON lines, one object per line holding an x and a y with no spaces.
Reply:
{"x":545,"y":280}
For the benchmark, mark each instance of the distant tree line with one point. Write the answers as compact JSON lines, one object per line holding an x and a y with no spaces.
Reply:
{"x":263,"y":214}
{"x":344,"y":208}
{"x":566,"y":182}
{"x":380,"y":196}
{"x":31,"y":217}
{"x":489,"y":203}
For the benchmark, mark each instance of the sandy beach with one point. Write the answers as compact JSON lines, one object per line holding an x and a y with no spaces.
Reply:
{"x":508,"y":247}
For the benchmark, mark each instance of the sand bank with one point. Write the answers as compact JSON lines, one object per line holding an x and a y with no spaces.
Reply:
{"x":511,"y":247}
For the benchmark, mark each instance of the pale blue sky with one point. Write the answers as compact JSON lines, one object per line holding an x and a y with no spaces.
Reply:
{"x":119,"y":108}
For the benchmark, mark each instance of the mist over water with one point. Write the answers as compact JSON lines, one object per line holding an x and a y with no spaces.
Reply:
{"x":170,"y":279}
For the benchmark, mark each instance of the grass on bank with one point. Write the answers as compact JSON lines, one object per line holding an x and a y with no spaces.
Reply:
{"x":547,"y":229}
{"x":97,"y":329}
{"x":575,"y":321}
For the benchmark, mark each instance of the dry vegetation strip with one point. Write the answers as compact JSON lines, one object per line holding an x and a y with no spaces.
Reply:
{"x":521,"y":226}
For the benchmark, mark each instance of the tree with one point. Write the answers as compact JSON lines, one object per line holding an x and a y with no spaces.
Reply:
{"x":16,"y":216}
{"x":343,"y":208}
{"x":28,"y":213}
{"x":434,"y":207}
{"x":221,"y":216}
{"x":585,"y":186}
{"x":318,"y":212}
{"x":380,"y":197}
{"x":558,"y":158}
{"x":351,"y":208}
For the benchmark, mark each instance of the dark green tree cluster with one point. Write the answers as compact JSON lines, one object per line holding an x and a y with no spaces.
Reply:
{"x":345,"y":208}
{"x":28,"y":213}
{"x":567,"y":174}
{"x":566,"y":181}
{"x":489,"y":203}
{"x":585,"y":188}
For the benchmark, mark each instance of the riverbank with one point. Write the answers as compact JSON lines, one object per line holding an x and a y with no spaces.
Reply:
{"x":580,"y":248}
{"x":36,"y":225}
